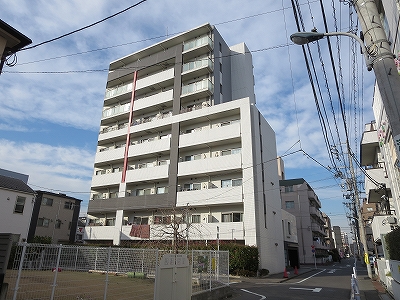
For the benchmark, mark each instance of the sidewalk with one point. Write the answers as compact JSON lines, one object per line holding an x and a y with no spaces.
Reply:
{"x":371,"y":289}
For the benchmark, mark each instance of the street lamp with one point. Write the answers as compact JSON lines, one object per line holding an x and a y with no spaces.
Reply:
{"x":302,"y":38}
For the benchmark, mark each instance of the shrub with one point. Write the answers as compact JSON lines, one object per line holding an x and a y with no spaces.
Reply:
{"x":393,"y":244}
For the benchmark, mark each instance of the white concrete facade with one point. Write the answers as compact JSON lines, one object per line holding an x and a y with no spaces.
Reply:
{"x":200,"y":151}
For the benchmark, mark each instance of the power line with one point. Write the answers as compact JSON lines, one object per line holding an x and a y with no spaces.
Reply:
{"x":135,"y":68}
{"x":80,"y":29}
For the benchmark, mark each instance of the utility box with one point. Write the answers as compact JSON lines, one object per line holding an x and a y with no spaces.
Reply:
{"x":173,"y":278}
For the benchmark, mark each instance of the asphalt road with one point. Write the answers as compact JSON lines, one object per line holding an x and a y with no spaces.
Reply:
{"x":330,"y":282}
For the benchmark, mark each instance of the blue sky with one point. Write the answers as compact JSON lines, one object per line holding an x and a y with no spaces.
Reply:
{"x":49,"y":122}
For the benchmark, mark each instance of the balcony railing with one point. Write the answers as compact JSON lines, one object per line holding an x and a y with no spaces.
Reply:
{"x":205,"y":40}
{"x":194,"y":65}
{"x":116,"y":110}
{"x":204,"y":85}
{"x":113,"y":92}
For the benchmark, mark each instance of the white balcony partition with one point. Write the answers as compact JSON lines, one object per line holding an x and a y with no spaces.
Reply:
{"x":214,"y":196}
{"x":156,"y":78}
{"x":149,"y":147}
{"x":215,"y":164}
{"x":151,"y":173}
{"x":210,"y":135}
{"x":112,"y":134}
{"x":109,"y":155}
{"x":153,"y":100}
{"x":106,"y":179}
{"x":99,"y":232}
{"x":378,"y":175}
{"x":380,"y":226}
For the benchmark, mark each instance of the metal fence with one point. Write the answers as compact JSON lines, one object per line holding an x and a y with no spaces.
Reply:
{"x":84,"y":272}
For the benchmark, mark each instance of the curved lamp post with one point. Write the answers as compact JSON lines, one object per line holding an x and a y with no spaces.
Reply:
{"x":302,"y":38}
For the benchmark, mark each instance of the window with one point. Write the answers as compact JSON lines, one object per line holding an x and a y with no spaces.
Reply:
{"x":195,"y":218}
{"x":192,"y":157}
{"x":47,"y":201}
{"x":191,"y":186}
{"x":289,"y":204}
{"x":289,"y":189}
{"x":370,"y":209}
{"x":162,"y":190}
{"x":231,"y":182}
{"x":140,"y":220}
{"x":43,"y":222}
{"x":162,"y":220}
{"x":141,"y":192}
{"x":19,"y":205}
{"x":68,"y":205}
{"x":232,"y":217}
{"x":57,"y":224}
{"x":289,"y":229}
{"x":230,"y":151}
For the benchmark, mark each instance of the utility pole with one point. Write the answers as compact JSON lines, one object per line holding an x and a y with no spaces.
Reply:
{"x":387,"y":77}
{"x":354,"y":188}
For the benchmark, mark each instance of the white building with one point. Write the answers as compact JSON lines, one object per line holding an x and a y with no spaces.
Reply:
{"x":181,"y":140}
{"x":17,"y":200}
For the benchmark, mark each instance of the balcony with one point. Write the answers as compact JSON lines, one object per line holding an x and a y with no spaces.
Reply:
{"x":109,"y":155}
{"x":148,"y":147}
{"x":210,"y":165}
{"x":197,"y":231}
{"x":151,"y":174}
{"x":369,"y":145}
{"x":116,"y":111}
{"x":373,"y":192}
{"x":210,"y":196}
{"x":162,"y":99}
{"x":197,"y":68}
{"x":208,"y":136}
{"x":318,"y":228}
{"x":313,"y":197}
{"x":106,"y":179}
{"x":382,"y":225}
{"x":161,"y":79}
{"x":198,"y":89}
{"x":197,"y":47}
{"x":118,"y":91}
{"x":315,"y":212}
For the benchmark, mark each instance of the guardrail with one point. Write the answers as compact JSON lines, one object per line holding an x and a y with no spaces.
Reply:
{"x":355,"y":291}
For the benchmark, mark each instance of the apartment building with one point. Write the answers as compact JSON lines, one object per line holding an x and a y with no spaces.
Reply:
{"x":299,"y":199}
{"x":16,"y":200}
{"x":54,"y":215}
{"x":181,"y":141}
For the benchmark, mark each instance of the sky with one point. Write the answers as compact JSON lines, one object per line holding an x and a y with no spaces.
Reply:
{"x":51,"y":100}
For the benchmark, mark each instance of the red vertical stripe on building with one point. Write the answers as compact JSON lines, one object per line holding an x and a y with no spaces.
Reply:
{"x":128,"y":134}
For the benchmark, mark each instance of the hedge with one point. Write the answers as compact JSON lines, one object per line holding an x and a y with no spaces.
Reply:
{"x":393,"y":244}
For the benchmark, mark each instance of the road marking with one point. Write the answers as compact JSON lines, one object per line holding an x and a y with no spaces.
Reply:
{"x":332,"y":271}
{"x":311,"y":276}
{"x":262,"y":297}
{"x":316,"y":290}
